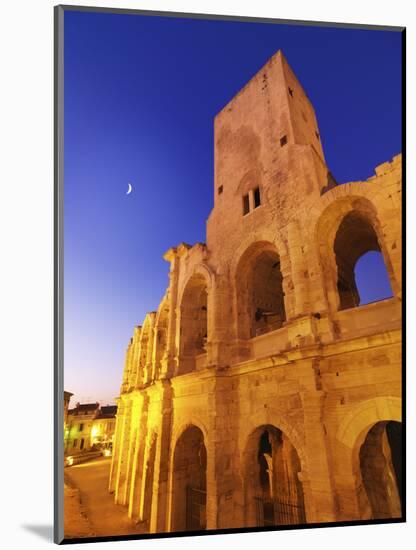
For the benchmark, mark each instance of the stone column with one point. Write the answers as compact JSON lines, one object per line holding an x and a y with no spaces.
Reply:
{"x":223,"y":481}
{"x":158,"y":517}
{"x":319,"y":493}
{"x":132,"y":436}
{"x":347,"y":488}
{"x":168,"y":361}
{"x":219,"y":324}
{"x":155,"y":353}
{"x":138,"y":457}
{"x":299,"y":269}
{"x":116,"y":447}
{"x":149,"y":355}
{"x":123,"y":455}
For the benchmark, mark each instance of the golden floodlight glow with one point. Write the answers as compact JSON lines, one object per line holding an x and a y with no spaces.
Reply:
{"x":95,"y":431}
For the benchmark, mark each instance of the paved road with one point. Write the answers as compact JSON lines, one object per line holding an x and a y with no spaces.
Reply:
{"x":97,"y":505}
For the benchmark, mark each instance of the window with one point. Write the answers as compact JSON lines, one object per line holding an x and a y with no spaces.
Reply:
{"x":256,"y":194}
{"x":220,"y":189}
{"x":75,"y":443}
{"x":81,"y":427}
{"x":81,"y":446}
{"x":290,"y":91}
{"x":246,"y":205}
{"x":283,"y":141}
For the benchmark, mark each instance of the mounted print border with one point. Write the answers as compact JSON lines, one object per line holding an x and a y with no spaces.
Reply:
{"x":265,"y":389}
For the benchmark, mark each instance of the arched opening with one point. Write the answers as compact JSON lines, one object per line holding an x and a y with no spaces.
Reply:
{"x":131,"y":370}
{"x":189,"y":476}
{"x":372,"y":279}
{"x":260,"y":296}
{"x":274,"y":493}
{"x":161,"y":332}
{"x":267,"y":303}
{"x":194,"y":323}
{"x":355,"y":238}
{"x":380,"y":462}
{"x":143,"y":375}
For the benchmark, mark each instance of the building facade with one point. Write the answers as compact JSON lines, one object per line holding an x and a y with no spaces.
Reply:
{"x":261,"y":392}
{"x":103,"y":428}
{"x":77,"y":437}
{"x":89,"y":426}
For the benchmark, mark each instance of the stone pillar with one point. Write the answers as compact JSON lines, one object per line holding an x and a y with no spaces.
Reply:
{"x":117,"y":445}
{"x":168,"y":361}
{"x":161,"y":476}
{"x":212,"y":447}
{"x":347,"y":488}
{"x":149,"y":355}
{"x":300,"y":274}
{"x":223,"y":480}
{"x":124,"y":449}
{"x":219,"y":325}
{"x":147,"y":467}
{"x":319,"y":493}
{"x":155,"y":353}
{"x":322,"y":276}
{"x":132,"y":436}
{"x":138,"y":457}
{"x":135,"y":358}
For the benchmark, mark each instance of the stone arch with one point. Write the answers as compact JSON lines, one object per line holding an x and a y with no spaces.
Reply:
{"x":131,"y":370}
{"x":264,"y":234}
{"x":205,"y":272}
{"x":187,"y":511}
{"x":160,"y":336}
{"x":193,"y":325}
{"x":358,"y":420}
{"x":348,"y":228}
{"x":183,"y":426}
{"x":272,"y":486}
{"x":380,"y":463}
{"x":144,"y":351}
{"x":362,"y":427}
{"x":260,"y":295}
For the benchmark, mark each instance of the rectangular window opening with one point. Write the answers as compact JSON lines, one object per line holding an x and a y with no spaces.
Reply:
{"x":246,"y":205}
{"x":220,"y":190}
{"x":256,"y":194}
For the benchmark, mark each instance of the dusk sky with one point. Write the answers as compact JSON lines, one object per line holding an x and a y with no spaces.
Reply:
{"x":141,"y":94}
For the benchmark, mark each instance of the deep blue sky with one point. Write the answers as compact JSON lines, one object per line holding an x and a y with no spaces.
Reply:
{"x":140,"y":97}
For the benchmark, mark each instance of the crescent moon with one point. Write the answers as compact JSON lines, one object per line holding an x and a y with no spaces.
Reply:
{"x":130,"y":189}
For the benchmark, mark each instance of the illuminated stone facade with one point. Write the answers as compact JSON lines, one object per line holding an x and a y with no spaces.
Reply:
{"x":260,"y":392}
{"x":89,"y":426}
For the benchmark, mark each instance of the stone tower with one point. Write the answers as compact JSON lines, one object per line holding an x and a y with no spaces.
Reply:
{"x":261,"y":383}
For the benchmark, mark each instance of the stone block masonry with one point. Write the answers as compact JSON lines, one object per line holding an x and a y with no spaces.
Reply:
{"x":261,"y":392}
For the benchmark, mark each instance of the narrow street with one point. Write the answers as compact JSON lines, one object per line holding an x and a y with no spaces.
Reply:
{"x":89,"y":508}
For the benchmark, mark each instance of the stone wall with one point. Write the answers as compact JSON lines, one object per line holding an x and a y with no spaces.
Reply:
{"x":227,"y":361}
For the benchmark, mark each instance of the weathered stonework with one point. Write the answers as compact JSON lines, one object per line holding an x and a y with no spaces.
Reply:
{"x":258,"y":393}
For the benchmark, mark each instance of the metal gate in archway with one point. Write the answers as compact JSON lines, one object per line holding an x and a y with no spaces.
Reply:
{"x":278,"y":512}
{"x":196,"y":518}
